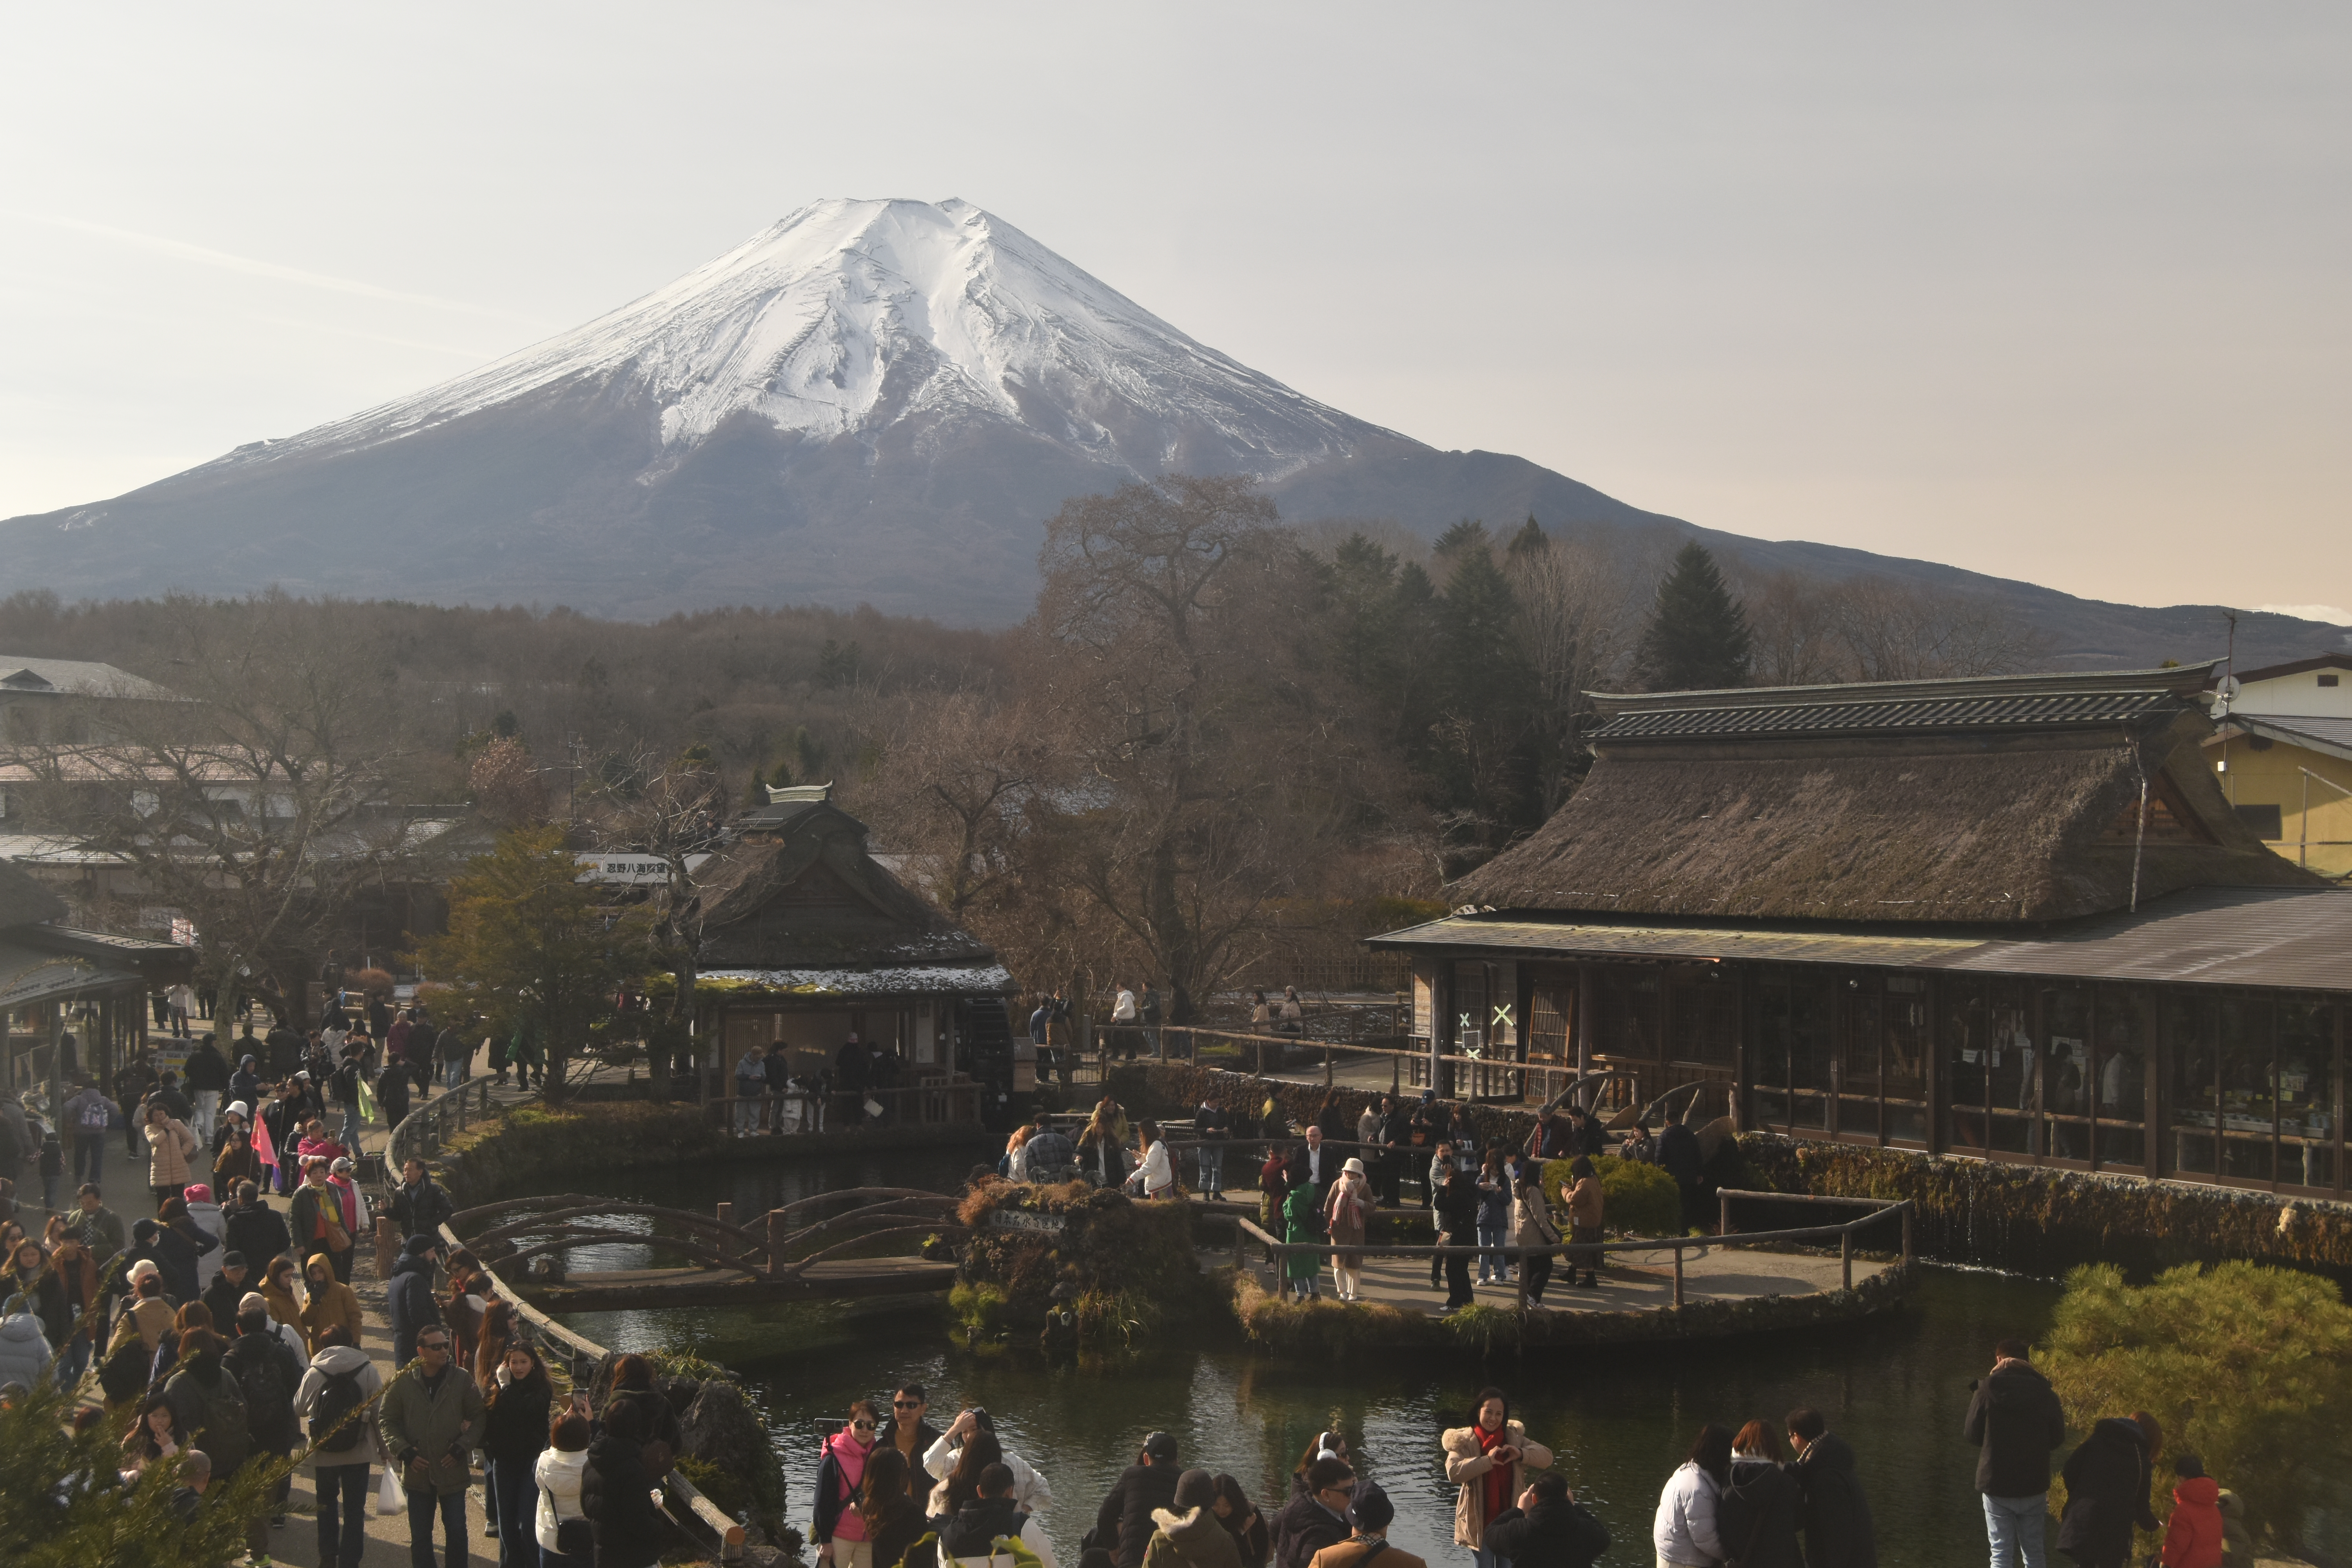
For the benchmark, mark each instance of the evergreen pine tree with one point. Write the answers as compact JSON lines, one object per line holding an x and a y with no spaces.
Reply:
{"x":1530,"y":537}
{"x":1697,"y":639}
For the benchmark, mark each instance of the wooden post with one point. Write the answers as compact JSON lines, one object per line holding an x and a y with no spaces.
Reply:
{"x":1327,"y":1064}
{"x":1845,"y":1254}
{"x":725,"y":1214}
{"x":1723,"y":1224}
{"x":1519,"y":1277}
{"x":460,"y":1098}
{"x":1906,"y":1233}
{"x":387,"y":1245}
{"x":779,"y":1227}
{"x":1678,"y":1275}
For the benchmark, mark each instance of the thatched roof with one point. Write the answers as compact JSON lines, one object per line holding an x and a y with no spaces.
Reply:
{"x":805,"y":894}
{"x":1953,"y":804}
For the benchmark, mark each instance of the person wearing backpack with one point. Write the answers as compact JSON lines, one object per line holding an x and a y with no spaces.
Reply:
{"x":206,"y":1402}
{"x":91,"y":1115}
{"x":340,"y":1380}
{"x":269,"y":1372}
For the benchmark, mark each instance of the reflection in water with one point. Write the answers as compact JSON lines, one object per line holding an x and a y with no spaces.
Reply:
{"x":1619,"y":1419}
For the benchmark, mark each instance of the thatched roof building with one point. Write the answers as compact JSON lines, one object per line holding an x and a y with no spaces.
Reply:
{"x":1947,"y":800}
{"x":806,"y":939}
{"x":2010,"y":918}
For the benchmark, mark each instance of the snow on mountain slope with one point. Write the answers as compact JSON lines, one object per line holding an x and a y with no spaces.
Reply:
{"x":847,"y":316}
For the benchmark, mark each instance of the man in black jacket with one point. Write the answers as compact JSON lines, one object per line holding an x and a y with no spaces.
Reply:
{"x":1549,"y":1528}
{"x":1123,"y":1524}
{"x":1831,"y":1508}
{"x":420,"y":1204}
{"x":1317,"y":1516}
{"x":255,"y":1228}
{"x":2016,"y":1416}
{"x":908,"y":1429}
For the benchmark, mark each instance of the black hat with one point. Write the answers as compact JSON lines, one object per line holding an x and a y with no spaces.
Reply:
{"x":420,"y":1244}
{"x":1371,"y":1510}
{"x":1195,"y":1489}
{"x":1159,"y":1446}
{"x":232,"y":1261}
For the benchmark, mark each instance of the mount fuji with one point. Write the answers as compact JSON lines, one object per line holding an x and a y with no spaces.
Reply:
{"x":870,"y":401}
{"x":873,"y":401}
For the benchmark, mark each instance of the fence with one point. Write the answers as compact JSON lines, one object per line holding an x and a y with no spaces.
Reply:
{"x":921,"y":1105}
{"x":585,"y":1358}
{"x":430,"y":1124}
{"x":1480,"y":1077}
{"x":1277,"y":1250}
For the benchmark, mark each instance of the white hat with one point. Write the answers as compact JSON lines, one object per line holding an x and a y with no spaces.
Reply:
{"x":144,"y":1269}
{"x":237,"y":1108}
{"x":1353,"y":1166}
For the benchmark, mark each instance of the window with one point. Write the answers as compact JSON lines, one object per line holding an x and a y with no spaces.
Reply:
{"x":2306,"y":1093}
{"x":2127,"y":1029}
{"x":2068,"y":1077}
{"x":2327,"y":680}
{"x":2264,"y":820}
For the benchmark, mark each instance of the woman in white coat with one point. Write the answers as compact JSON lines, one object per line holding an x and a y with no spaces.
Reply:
{"x":1683,"y":1532}
{"x":1029,"y":1491}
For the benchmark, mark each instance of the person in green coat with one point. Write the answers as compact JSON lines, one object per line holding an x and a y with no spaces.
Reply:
{"x":528,"y":1057}
{"x":1302,"y":1222}
{"x":430,"y":1420}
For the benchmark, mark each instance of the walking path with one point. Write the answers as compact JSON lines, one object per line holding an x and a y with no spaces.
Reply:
{"x":297,"y":1542}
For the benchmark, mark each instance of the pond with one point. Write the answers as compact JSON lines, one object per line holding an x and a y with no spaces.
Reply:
{"x":1619,"y":1419}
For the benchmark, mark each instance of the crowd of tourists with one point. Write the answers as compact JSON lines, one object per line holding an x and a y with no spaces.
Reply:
{"x":231,"y":1335}
{"x":1484,"y":1195}
{"x":893,"y":1489}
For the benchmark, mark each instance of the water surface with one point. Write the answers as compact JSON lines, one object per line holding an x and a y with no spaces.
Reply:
{"x":1619,"y":1419}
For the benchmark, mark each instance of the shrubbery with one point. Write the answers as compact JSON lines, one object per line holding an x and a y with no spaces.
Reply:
{"x":2250,"y":1367}
{"x":1640,"y":1199}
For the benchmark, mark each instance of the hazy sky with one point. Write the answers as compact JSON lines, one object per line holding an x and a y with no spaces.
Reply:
{"x":2060,"y":293}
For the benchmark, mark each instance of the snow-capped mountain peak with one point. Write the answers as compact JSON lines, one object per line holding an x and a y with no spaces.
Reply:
{"x":850,"y":316}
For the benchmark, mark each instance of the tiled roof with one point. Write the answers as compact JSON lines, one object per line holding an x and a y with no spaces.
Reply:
{"x":1991,"y":713}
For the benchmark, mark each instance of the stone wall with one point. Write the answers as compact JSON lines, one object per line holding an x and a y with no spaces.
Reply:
{"x":2043,"y":1222}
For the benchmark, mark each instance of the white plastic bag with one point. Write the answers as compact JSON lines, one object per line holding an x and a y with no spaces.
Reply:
{"x":390,"y":1496}
{"x":873,"y":1108}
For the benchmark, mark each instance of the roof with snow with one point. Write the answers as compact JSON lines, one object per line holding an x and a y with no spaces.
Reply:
{"x":23,"y":674}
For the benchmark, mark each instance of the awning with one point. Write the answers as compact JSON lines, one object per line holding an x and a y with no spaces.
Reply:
{"x":2291,"y":938}
{"x":28,"y":977}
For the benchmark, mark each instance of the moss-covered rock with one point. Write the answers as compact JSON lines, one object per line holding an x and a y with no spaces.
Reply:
{"x":1093,"y":1271}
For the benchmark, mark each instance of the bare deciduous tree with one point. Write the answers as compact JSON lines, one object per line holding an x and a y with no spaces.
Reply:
{"x":1576,"y":621}
{"x":259,"y":805}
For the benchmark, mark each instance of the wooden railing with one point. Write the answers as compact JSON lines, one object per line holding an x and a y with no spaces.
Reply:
{"x":584,"y":1358}
{"x":1245,"y":1230}
{"x":1491,"y":1076}
{"x":917,"y":1105}
{"x":433,"y":1122}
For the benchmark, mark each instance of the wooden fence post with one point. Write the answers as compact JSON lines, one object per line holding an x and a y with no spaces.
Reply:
{"x":779,"y":1227}
{"x":1678,"y":1275}
{"x":1723,"y":1222}
{"x":387,"y":1245}
{"x":1846,"y":1254}
{"x":1906,"y":1233}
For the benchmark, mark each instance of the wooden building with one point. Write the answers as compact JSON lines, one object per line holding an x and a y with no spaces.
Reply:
{"x":2014,"y":918}
{"x":58,"y":983}
{"x":807,"y":939}
{"x":2282,"y":755}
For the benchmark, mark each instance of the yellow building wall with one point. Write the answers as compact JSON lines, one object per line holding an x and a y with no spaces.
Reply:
{"x":2273,"y":777}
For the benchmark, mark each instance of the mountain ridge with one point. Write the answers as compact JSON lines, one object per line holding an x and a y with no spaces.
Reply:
{"x":875,"y":401}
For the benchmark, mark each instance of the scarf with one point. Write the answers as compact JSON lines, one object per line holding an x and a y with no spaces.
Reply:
{"x":1497,"y":1482}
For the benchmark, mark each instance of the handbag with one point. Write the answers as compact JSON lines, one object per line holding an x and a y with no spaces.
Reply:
{"x":337,"y":1238}
{"x":576,"y":1538}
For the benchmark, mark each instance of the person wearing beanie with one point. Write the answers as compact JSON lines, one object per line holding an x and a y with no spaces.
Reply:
{"x":228,"y":1288}
{"x":267,"y":1371}
{"x":2193,"y":1537}
{"x":1369,"y":1514}
{"x":409,"y":1302}
{"x":1188,"y":1533}
{"x":1124,"y":1522}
